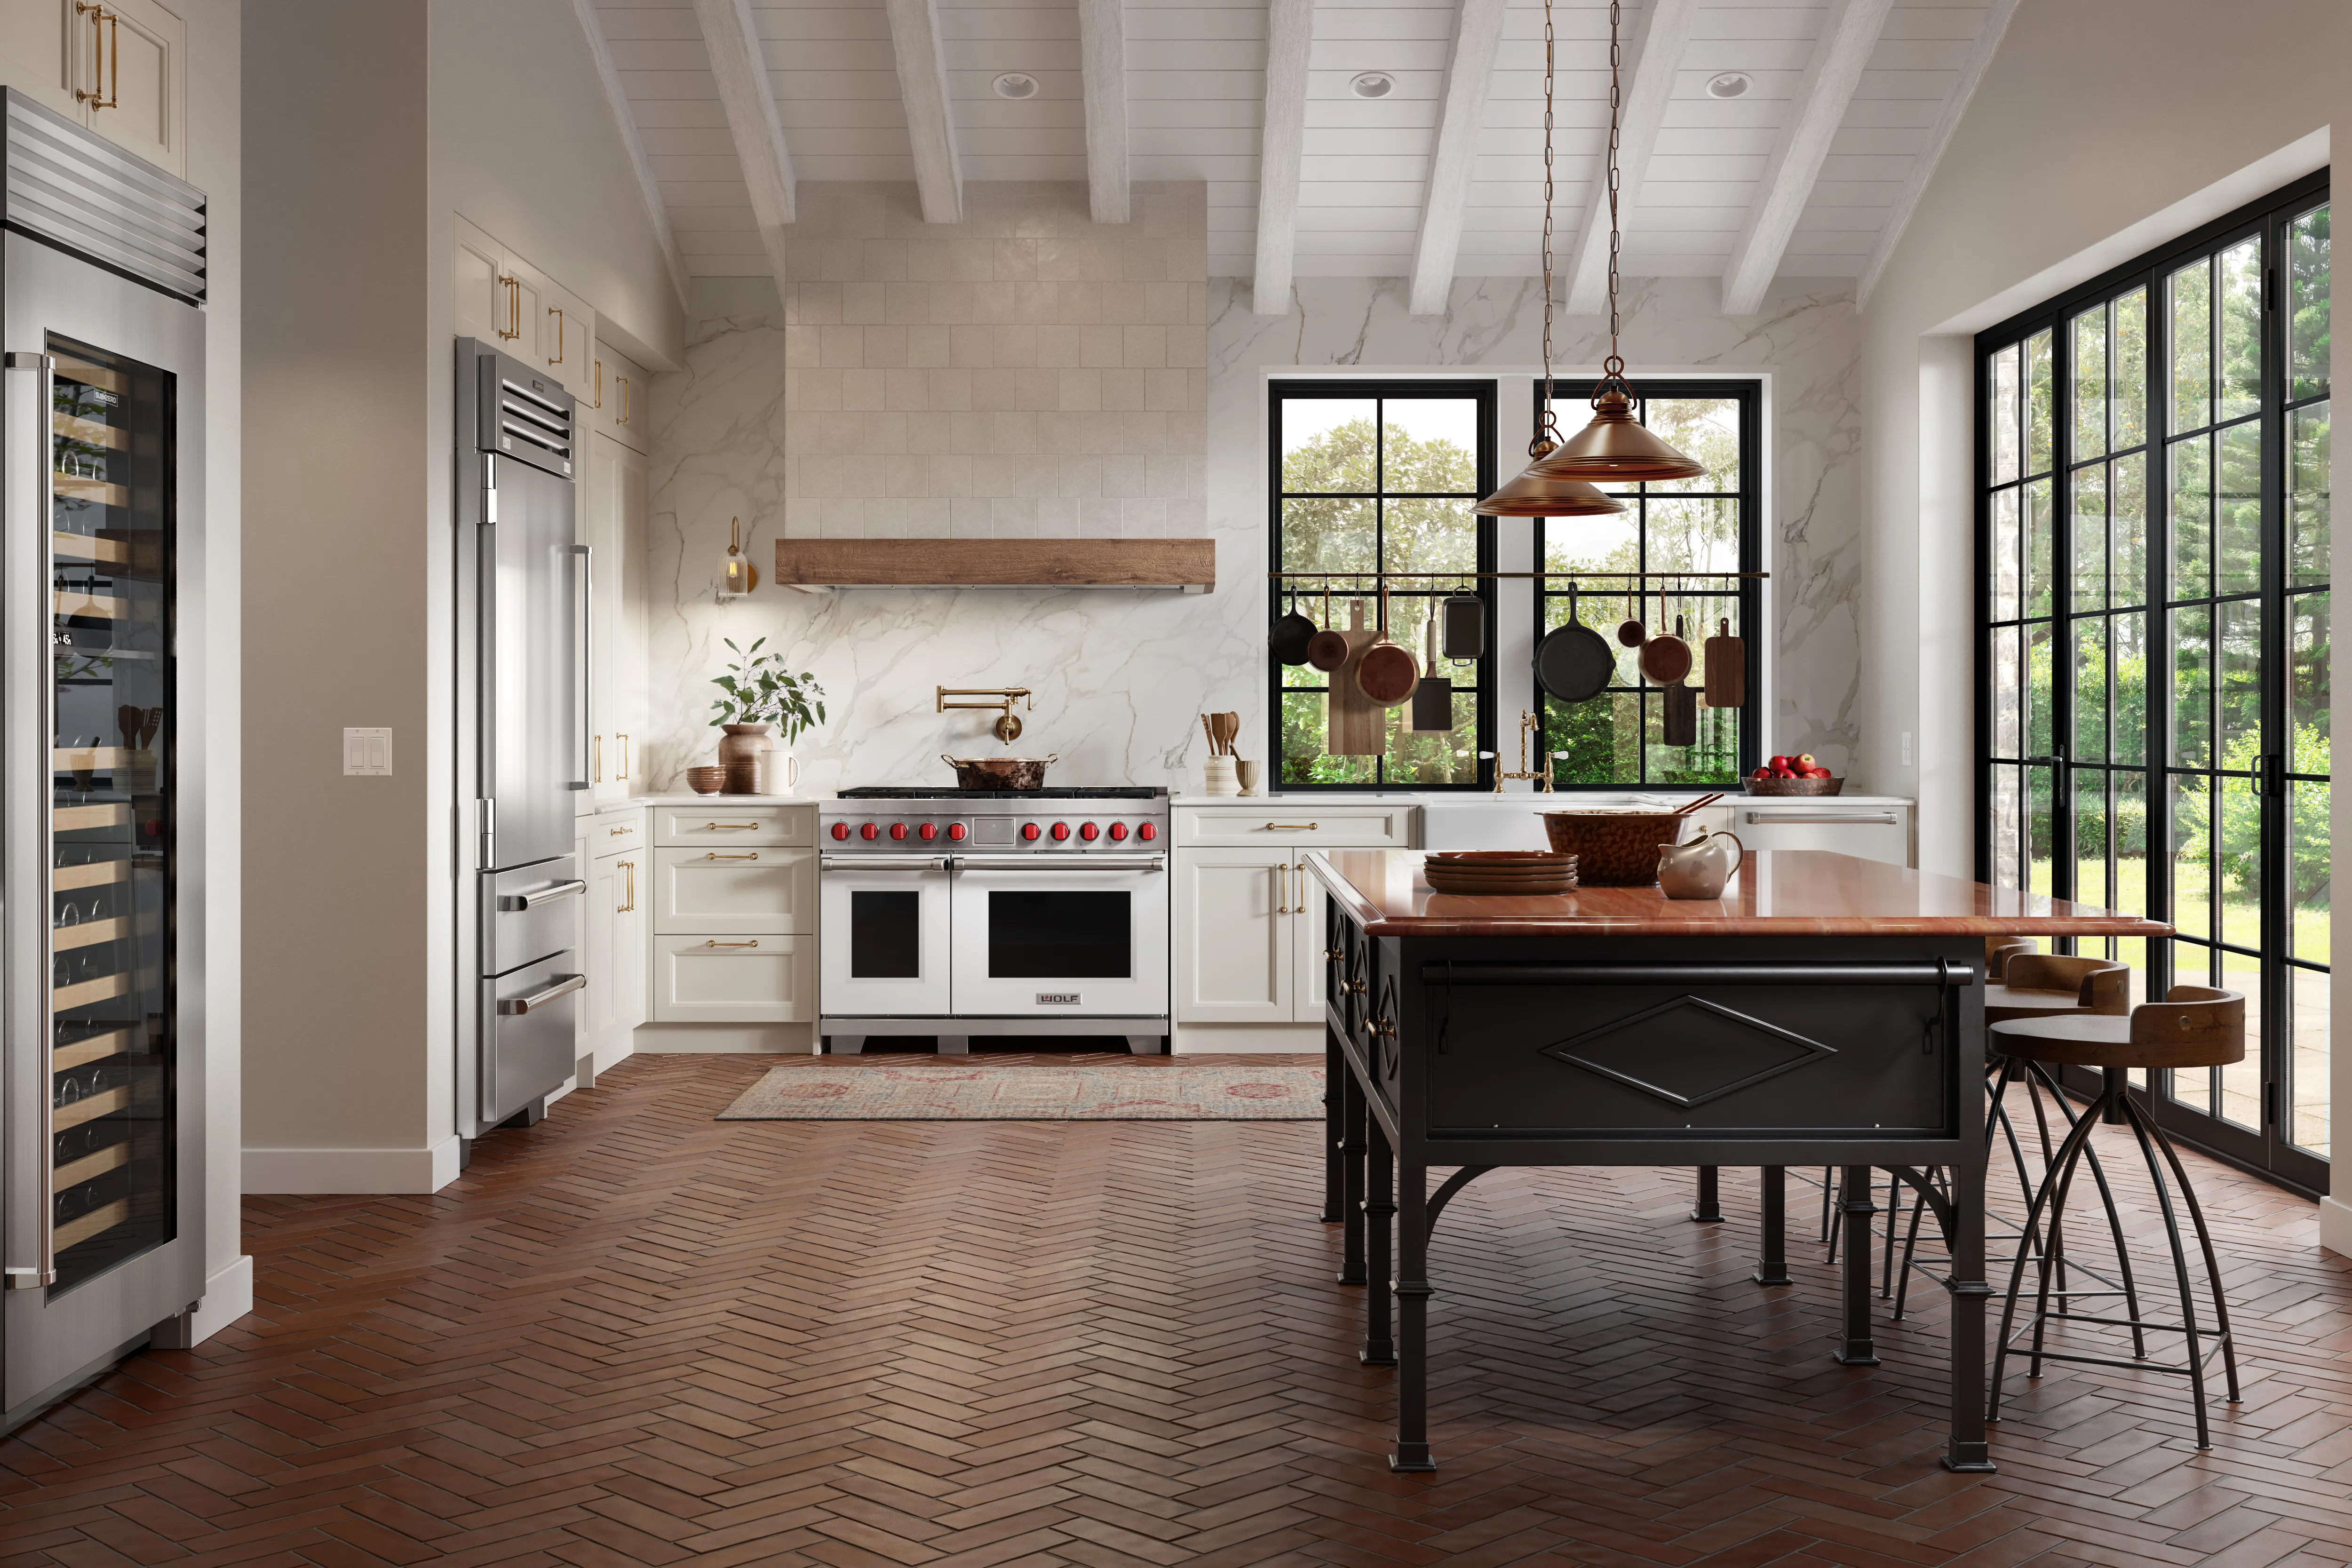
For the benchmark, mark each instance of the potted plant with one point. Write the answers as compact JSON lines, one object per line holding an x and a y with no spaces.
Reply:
{"x":757,"y":692}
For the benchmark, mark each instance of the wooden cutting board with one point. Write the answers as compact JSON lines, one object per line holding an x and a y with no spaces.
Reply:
{"x":1357,"y":726}
{"x":1727,"y":670}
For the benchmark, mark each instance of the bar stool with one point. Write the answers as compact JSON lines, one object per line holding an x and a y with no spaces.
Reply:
{"x":2194,"y":1026}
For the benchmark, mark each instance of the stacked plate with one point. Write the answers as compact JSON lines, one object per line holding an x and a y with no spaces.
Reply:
{"x":1500,"y":873}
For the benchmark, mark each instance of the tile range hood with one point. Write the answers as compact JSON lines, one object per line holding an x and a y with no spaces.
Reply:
{"x":811,"y":565}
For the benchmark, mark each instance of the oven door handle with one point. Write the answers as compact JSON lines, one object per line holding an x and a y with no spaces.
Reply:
{"x":1061,"y":862}
{"x":883,"y":862}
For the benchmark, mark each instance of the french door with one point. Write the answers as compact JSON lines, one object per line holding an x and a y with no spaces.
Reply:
{"x":2153,"y":654}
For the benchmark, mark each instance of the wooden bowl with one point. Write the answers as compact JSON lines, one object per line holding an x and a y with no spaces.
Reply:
{"x":1613,"y":848}
{"x":706,"y":781}
{"x":1793,"y":786}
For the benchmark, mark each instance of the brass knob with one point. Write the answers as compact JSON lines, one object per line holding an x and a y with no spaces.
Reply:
{"x":1334,"y":954}
{"x":1382,"y":1026}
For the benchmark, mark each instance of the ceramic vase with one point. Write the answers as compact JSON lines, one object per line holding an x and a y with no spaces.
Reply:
{"x":1219,"y":778}
{"x":740,"y":751}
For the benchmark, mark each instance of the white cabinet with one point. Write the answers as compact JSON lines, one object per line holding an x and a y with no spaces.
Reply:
{"x":501,"y":298}
{"x":1318,"y":825}
{"x":621,"y":386}
{"x":616,"y":967}
{"x":119,"y":68}
{"x":613,"y":524}
{"x":1235,"y":948}
{"x":735,"y":913}
{"x":1874,"y":830}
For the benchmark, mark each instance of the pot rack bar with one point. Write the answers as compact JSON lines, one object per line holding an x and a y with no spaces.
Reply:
{"x":1457,"y":576}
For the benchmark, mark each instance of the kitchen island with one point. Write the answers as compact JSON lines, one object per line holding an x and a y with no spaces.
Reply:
{"x":1827,"y":1010}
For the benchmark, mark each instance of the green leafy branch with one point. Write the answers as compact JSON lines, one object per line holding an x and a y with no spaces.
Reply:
{"x":758,"y":690}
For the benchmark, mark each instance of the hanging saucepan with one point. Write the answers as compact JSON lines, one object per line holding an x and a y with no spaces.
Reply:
{"x":1666,"y":659}
{"x":1572,"y":662}
{"x":1327,"y":649}
{"x":1630,"y":631}
{"x":1386,"y":675}
{"x":1292,"y":633}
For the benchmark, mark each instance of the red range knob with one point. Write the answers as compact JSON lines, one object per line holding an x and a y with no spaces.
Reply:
{"x":840,"y":831}
{"x":897,"y":830}
{"x":929,"y":831}
{"x":1146,"y":832}
{"x":1089,"y":831}
{"x":869,"y":832}
{"x":1118,"y":831}
{"x":955,"y":831}
{"x":1028,"y":831}
{"x":1061,"y":830}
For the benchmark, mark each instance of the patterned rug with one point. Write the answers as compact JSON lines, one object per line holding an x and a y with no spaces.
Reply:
{"x":979,"y":1088}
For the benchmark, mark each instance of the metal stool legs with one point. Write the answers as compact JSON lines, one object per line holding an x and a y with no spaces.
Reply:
{"x":2201,"y":1345}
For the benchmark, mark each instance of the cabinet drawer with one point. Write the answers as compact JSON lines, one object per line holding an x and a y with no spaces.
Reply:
{"x":1312,"y":826}
{"x":734,"y":980}
{"x":734,"y":890}
{"x":611,"y":832}
{"x":1872,"y":832}
{"x":721,"y":825}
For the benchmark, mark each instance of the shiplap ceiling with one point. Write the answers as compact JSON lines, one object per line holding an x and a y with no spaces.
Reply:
{"x":1804,"y":175}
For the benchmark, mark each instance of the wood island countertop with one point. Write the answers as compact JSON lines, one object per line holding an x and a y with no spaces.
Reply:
{"x":1776,"y":892}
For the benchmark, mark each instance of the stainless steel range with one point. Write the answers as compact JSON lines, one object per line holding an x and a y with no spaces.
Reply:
{"x":963,"y":913}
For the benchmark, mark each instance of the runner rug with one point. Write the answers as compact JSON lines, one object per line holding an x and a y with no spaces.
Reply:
{"x":975,"y":1089}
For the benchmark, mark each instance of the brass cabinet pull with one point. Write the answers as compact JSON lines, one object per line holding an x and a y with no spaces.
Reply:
{"x":623,"y":383}
{"x":1382,"y":1026}
{"x":1290,"y":828}
{"x":1282,"y":888}
{"x":600,"y":383}
{"x":105,"y":56}
{"x":1334,"y":954}
{"x":631,"y":868}
{"x":714,"y":855}
{"x":513,"y":286}
{"x":624,"y":757}
{"x":716,"y":942}
{"x":731,"y":826}
{"x":596,"y":763}
{"x":557,"y":311}
{"x":617,"y":832}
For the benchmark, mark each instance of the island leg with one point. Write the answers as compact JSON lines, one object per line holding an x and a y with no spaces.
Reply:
{"x":1855,"y":1208}
{"x":1352,"y":1177}
{"x":1772,"y":1262}
{"x":1709,"y":1208}
{"x":1379,"y":1210}
{"x":1412,"y":1294}
{"x":1335,"y":1070}
{"x":1970,"y":1291}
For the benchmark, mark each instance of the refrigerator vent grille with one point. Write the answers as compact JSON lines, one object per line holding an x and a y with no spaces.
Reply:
{"x":75,"y":191}
{"x":543,"y":424}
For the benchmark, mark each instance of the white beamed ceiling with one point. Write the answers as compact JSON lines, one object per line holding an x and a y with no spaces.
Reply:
{"x":1194,"y":91}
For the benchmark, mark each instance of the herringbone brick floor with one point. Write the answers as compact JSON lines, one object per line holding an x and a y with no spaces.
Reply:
{"x":636,"y":1335}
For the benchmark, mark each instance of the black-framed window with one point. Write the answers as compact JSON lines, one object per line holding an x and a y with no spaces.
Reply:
{"x":1371,"y":489}
{"x":1711,"y":525}
{"x":2154,"y":633}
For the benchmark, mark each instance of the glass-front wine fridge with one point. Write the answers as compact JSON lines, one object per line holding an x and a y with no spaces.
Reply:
{"x":103,"y":487}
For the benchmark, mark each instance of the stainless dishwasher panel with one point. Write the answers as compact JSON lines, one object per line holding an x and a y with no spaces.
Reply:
{"x":531,"y":913}
{"x":529,"y":1017}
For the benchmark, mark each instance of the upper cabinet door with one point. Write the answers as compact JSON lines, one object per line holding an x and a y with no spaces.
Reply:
{"x":480,"y":307}
{"x":522,"y":315}
{"x":567,"y":335}
{"x":621,"y":401}
{"x":139,"y":76}
{"x":45,"y":53}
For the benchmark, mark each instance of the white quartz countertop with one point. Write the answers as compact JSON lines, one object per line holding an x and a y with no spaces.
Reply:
{"x":688,"y":797}
{"x":1526,"y":800}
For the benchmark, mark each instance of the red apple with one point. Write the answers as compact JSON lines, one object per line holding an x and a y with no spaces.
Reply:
{"x":1805,"y":760}
{"x":1763,"y":770}
{"x":1783,"y":761}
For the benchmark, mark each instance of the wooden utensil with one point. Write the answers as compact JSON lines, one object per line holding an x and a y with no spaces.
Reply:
{"x":1356,"y":726}
{"x":1327,"y":649}
{"x":1703,"y":800}
{"x":1727,"y":670}
{"x":1665,"y":659}
{"x":1386,"y":672}
{"x":1433,"y":700}
{"x":1572,"y":662}
{"x":1678,"y":716}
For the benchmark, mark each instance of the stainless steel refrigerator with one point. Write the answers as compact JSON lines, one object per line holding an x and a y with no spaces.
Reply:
{"x":101,"y":805}
{"x":522,"y":697}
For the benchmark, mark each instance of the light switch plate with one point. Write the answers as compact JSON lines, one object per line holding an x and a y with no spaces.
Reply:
{"x":367,"y":752}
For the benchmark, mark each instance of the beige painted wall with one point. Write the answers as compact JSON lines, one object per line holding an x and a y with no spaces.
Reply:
{"x":2101,"y":128}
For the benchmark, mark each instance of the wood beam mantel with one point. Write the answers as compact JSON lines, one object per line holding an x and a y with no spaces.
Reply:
{"x":1187,"y":563}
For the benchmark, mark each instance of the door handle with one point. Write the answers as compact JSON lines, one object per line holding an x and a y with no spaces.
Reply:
{"x":715,"y":855}
{"x":515,"y":1007}
{"x":512,"y":903}
{"x":25,"y":392}
{"x":513,"y":329}
{"x":1282,"y":888}
{"x":557,"y":311}
{"x":1767,"y":818}
{"x":631,"y":868}
{"x":587,"y":554}
{"x":714,"y":942}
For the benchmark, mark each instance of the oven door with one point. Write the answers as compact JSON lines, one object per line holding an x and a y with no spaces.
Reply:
{"x":885,"y":936}
{"x":1047,"y":937}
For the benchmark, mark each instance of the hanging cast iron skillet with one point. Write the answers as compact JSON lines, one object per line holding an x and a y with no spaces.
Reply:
{"x":1572,"y":662}
{"x":1292,"y":633}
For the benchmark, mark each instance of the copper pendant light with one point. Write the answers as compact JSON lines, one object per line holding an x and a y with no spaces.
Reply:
{"x":1615,"y":449}
{"x":1534,"y":493}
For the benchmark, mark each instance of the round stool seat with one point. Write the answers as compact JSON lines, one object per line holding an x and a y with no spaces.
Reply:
{"x":2096,"y":1040}
{"x":2005,"y":1002}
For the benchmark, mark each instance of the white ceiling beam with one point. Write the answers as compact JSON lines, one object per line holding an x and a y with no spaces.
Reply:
{"x":1922,"y":167}
{"x":923,"y":88}
{"x":1848,"y":36}
{"x":617,"y":100}
{"x":1289,"y":41}
{"x":740,"y":70}
{"x":1648,"y":84}
{"x":1478,"y":33}
{"x":1102,"y":72}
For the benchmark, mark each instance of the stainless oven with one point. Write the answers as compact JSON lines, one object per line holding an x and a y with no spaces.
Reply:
{"x":884,"y":950}
{"x":1051,"y":938}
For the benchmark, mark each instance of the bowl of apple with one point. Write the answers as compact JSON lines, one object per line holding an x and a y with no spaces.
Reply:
{"x":1799,"y":774}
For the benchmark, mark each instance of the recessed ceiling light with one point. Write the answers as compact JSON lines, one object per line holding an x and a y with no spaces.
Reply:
{"x":1016,"y":84}
{"x":1372,"y":84}
{"x":1730,"y":84}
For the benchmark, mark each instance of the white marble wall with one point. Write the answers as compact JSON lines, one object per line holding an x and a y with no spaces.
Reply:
{"x":910,"y":389}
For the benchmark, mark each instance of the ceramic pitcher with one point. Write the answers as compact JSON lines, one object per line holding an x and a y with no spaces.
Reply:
{"x":1699,"y":868}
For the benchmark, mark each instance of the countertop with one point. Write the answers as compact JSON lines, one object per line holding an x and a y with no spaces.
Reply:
{"x":1526,"y":800}
{"x":1776,"y":892}
{"x":687,"y":797}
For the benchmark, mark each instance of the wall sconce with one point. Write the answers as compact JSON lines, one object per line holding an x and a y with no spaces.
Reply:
{"x":741,"y":576}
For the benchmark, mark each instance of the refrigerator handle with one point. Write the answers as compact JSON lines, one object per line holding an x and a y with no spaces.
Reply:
{"x":30,"y":1245}
{"x":587,"y":554}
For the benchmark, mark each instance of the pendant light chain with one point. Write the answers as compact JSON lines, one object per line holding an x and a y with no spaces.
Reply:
{"x":1550,"y":436}
{"x":1613,"y":367}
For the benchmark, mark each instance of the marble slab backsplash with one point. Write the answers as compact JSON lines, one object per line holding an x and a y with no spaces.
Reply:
{"x":1120,"y":676}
